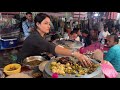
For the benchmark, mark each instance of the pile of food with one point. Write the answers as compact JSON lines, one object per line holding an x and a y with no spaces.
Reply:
{"x":65,"y":65}
{"x":12,"y":68}
{"x":33,"y":63}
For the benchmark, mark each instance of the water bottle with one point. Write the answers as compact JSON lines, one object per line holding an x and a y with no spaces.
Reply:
{"x":103,"y":41}
{"x":102,"y":44}
{"x":83,"y":44}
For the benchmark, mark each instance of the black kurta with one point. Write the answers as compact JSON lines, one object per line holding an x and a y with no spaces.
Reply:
{"x":34,"y":45}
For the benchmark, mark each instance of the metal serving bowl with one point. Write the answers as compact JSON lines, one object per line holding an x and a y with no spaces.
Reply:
{"x":33,"y":61}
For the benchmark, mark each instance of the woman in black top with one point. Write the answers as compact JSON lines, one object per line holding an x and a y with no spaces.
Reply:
{"x":36,"y":43}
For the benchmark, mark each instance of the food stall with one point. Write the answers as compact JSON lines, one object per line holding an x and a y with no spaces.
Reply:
{"x":48,"y":66}
{"x":56,"y":67}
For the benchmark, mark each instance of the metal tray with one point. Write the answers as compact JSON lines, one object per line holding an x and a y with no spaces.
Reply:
{"x":95,"y":73}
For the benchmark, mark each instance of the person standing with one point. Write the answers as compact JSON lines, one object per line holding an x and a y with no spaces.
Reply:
{"x":28,"y":25}
{"x":101,"y":25}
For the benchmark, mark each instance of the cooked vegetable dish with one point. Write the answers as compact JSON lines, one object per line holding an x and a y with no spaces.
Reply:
{"x":65,"y":65}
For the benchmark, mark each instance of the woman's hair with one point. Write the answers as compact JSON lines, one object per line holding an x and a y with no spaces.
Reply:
{"x":76,"y":30}
{"x":40,"y":17}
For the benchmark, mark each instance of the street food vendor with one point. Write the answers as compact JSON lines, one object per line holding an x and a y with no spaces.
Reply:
{"x":36,"y":43}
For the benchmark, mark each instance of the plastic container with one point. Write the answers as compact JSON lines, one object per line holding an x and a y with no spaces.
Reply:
{"x":7,"y":43}
{"x":10,"y":72}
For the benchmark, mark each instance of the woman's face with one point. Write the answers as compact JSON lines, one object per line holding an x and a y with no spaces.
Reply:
{"x":44,"y":26}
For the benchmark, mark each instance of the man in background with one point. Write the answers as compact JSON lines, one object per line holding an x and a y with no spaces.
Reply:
{"x":28,"y":24}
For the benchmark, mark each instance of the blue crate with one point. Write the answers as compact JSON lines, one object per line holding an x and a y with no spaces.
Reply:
{"x":8,"y":43}
{"x":0,"y":45}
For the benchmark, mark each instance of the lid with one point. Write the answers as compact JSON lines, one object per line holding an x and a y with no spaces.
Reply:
{"x":42,"y":65}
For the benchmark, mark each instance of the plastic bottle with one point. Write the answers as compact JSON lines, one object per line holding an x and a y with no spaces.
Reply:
{"x":102,"y":44}
{"x":103,"y":41}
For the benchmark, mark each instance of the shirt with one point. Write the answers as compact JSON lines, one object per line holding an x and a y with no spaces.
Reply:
{"x":103,"y":35}
{"x":34,"y":45}
{"x":113,"y":56}
{"x":26,"y":25}
{"x":78,"y":39}
{"x":101,"y":26}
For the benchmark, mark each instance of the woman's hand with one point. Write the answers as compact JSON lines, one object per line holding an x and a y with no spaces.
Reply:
{"x":85,"y":61}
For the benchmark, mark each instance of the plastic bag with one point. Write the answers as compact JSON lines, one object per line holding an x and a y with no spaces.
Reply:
{"x":108,"y":70}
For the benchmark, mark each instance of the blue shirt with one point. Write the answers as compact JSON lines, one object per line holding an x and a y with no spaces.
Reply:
{"x":26,"y":25}
{"x":113,"y":56}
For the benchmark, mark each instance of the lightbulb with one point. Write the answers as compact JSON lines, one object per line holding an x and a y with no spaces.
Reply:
{"x":96,"y":14}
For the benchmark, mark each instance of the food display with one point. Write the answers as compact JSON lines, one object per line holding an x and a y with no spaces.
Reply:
{"x":65,"y":66}
{"x":33,"y":61}
{"x":70,"y":67}
{"x":12,"y":69}
{"x":42,"y":65}
{"x":37,"y":74}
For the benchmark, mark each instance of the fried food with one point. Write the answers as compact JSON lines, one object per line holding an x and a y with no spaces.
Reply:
{"x":12,"y":68}
{"x":33,"y":63}
{"x":65,"y":66}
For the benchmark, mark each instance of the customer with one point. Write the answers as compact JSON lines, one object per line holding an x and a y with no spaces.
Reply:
{"x":78,"y":32}
{"x":101,"y":25}
{"x":114,"y":31}
{"x":113,"y":55}
{"x":86,"y":38}
{"x":73,"y":36}
{"x":36,"y":43}
{"x":28,"y":24}
{"x":103,"y":34}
